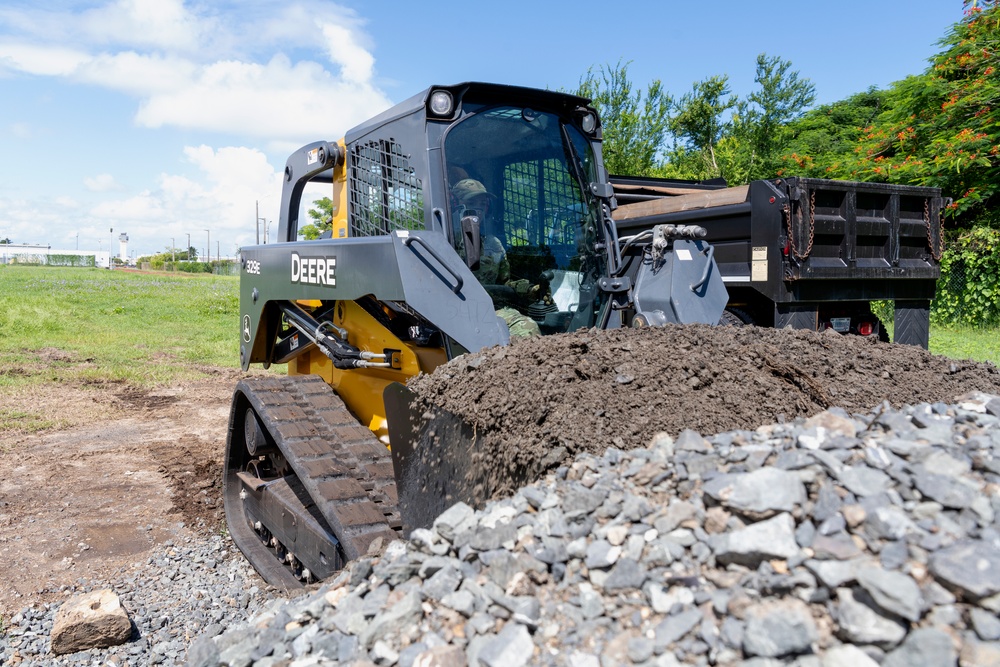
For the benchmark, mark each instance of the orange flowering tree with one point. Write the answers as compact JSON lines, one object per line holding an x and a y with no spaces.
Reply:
{"x":940,"y":128}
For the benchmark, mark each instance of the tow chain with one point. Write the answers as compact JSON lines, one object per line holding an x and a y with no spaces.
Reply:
{"x":930,"y":241}
{"x":812,"y":227}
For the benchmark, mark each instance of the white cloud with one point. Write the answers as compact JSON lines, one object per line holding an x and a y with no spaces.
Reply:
{"x":47,"y":60}
{"x":222,"y":201}
{"x":187,"y":68}
{"x":101,"y":183}
{"x":279,"y":100}
{"x":356,"y":63}
{"x":160,"y":24}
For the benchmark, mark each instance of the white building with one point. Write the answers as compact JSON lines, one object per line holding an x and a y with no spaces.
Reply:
{"x":26,"y":253}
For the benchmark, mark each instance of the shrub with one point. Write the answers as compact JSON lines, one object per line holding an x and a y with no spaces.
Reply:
{"x":968,"y":291}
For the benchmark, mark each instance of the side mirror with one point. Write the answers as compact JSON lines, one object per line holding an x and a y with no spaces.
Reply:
{"x":472,"y":241}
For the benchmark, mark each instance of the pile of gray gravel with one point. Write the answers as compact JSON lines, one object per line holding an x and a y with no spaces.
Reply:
{"x":842,"y":540}
{"x":201,"y":586}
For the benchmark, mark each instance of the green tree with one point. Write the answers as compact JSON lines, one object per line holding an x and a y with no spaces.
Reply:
{"x":635,"y":124}
{"x":756,"y":142}
{"x":698,"y":123}
{"x":5,"y":241}
{"x":713,"y":132}
{"x":322,"y":217}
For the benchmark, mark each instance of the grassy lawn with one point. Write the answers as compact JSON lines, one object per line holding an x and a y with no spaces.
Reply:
{"x":144,"y":329}
{"x":966,"y":343}
{"x":92,"y":328}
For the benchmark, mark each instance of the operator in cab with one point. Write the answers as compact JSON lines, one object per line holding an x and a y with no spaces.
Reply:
{"x":472,"y":198}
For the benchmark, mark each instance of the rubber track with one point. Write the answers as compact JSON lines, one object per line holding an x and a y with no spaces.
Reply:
{"x":340,"y":463}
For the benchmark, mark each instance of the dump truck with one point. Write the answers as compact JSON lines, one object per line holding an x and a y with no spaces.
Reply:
{"x":461,"y":216}
{"x":806,"y":253}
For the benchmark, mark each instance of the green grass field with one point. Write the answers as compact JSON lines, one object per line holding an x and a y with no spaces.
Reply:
{"x":145,"y":329}
{"x":966,"y":343}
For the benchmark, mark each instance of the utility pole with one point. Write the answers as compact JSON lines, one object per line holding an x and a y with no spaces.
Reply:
{"x":111,"y":252}
{"x":187,"y":251}
{"x":208,"y":246}
{"x":257,"y":202}
{"x":173,"y":253}
{"x":218,"y":255}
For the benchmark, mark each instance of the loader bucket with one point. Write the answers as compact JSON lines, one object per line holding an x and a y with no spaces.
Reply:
{"x":436,"y":457}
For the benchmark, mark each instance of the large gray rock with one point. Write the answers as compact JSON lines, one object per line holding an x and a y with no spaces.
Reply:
{"x":442,"y":656}
{"x":862,"y":624}
{"x":764,"y":540}
{"x":895,"y":592}
{"x":94,"y":620}
{"x":512,"y":647}
{"x":864,"y":481}
{"x":672,"y":628}
{"x":779,"y":628}
{"x":764,"y":492}
{"x":924,"y":647}
{"x":889,"y":523}
{"x":986,"y":624}
{"x":454,"y":520}
{"x":949,"y":491}
{"x":971,"y":567}
{"x":406,"y":611}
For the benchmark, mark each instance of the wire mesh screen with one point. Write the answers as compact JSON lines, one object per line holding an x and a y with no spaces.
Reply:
{"x":383,"y":193}
{"x":539,"y":192}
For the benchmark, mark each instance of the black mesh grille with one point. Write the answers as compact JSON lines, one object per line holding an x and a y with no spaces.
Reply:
{"x":383,"y":193}
{"x":533,"y":192}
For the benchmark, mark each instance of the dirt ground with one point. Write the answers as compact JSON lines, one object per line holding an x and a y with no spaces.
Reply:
{"x":123,"y":470}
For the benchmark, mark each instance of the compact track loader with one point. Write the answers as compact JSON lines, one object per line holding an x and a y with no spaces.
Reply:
{"x":461,"y":215}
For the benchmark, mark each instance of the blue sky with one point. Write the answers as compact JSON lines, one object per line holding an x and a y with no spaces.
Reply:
{"x":165,"y":118}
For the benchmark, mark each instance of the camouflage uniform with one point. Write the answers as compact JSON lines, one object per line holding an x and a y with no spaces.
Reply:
{"x":521,"y":326}
{"x":494,"y":268}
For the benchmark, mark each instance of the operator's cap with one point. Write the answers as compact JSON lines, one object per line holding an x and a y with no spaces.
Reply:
{"x":467,"y":188}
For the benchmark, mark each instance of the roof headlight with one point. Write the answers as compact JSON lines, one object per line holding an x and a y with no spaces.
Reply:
{"x":441,"y":103}
{"x":588,"y":122}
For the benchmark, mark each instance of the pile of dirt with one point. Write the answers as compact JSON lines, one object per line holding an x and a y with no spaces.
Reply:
{"x":540,"y":401}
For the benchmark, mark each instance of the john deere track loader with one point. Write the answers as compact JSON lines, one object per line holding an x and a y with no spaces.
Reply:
{"x":461,"y":215}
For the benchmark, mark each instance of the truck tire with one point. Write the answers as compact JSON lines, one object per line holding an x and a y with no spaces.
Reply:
{"x":734,"y":317}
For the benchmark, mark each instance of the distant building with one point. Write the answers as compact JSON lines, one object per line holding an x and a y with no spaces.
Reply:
{"x":26,"y":253}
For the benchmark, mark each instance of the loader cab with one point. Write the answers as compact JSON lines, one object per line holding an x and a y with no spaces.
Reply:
{"x":537,"y":167}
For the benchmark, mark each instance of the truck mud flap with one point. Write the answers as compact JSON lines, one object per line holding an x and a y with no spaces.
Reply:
{"x":436,"y":459}
{"x":912,"y":322}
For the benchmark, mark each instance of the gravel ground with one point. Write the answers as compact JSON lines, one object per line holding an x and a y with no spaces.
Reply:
{"x":836,"y":541}
{"x":199,"y":587}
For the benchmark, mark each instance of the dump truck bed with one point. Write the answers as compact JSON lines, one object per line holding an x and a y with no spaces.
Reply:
{"x":798,"y":243}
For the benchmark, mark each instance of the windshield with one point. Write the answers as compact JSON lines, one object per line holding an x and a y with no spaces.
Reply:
{"x":524,"y":174}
